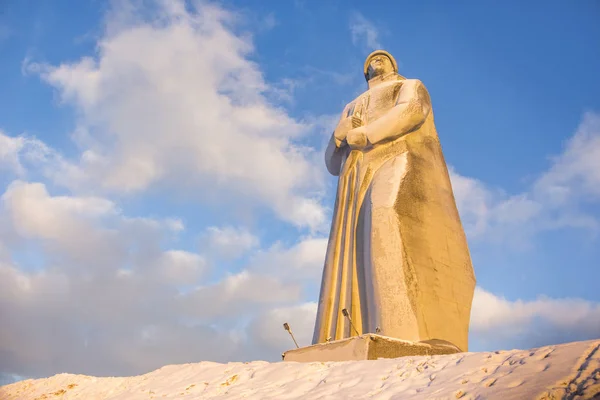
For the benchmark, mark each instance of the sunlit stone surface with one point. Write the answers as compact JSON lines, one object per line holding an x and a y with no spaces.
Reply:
{"x":397,"y":258}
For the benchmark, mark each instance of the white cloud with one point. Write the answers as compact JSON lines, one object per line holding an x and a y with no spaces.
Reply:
{"x":473,"y":201}
{"x":575,"y":174}
{"x":364,"y":32}
{"x":237,"y":294}
{"x":37,"y":214}
{"x":181,"y":267}
{"x":175,"y":224}
{"x":493,"y":215}
{"x":173,"y":99}
{"x":533,"y":323}
{"x":230,"y":242}
{"x":301,"y":262}
{"x":21,"y":154}
{"x":62,"y":223}
{"x":111,"y":292}
{"x":269,"y":21}
{"x":9,"y":153}
{"x":169,"y":99}
{"x":268,"y":333}
{"x":553,"y":201}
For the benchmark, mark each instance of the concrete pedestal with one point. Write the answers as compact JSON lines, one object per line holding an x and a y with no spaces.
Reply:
{"x":368,"y":347}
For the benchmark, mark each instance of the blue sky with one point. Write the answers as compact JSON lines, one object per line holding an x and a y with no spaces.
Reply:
{"x":164,"y":196}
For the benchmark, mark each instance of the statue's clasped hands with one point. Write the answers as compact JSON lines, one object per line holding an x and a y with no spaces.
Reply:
{"x":357,"y":138}
{"x":353,"y":132}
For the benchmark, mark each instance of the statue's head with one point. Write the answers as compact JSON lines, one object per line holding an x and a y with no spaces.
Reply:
{"x":379,"y":63}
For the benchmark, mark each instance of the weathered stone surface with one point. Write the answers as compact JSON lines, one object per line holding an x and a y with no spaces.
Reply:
{"x":368,"y":347}
{"x":397,"y":258}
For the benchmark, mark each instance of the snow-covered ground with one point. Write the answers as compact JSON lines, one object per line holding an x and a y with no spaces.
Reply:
{"x":567,"y":371}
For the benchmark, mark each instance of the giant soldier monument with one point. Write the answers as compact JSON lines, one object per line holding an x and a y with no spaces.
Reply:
{"x":398,"y":278}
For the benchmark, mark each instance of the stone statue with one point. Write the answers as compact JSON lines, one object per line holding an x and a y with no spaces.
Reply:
{"x":397,"y":257}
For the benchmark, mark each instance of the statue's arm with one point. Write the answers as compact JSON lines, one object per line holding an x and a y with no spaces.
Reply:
{"x":410,"y":112}
{"x":336,"y":148}
{"x":334,"y":156}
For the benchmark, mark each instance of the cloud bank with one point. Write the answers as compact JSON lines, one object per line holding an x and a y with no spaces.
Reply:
{"x":173,"y":100}
{"x":556,"y":199}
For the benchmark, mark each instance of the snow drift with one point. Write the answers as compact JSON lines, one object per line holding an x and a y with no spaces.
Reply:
{"x":566,"y":371}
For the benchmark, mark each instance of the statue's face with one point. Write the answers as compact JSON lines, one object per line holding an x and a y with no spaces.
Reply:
{"x":380,"y":65}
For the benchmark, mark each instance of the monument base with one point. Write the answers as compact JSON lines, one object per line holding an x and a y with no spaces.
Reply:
{"x":368,"y":347}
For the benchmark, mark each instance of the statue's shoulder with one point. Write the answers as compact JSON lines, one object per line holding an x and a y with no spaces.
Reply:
{"x":413,"y":82}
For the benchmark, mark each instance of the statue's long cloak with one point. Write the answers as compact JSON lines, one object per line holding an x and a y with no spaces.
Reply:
{"x":397,"y":257}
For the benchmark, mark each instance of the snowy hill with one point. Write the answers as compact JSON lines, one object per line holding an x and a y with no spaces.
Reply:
{"x":566,"y":371}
